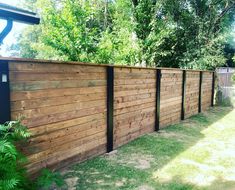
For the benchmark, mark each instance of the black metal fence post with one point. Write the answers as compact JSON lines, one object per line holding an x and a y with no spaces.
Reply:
{"x":200,"y":93}
{"x":213,"y":89}
{"x":183,"y":95}
{"x":5,"y":111}
{"x":158,"y":93}
{"x":110,"y":100}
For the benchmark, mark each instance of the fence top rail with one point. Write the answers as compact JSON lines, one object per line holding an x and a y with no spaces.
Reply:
{"x":13,"y":59}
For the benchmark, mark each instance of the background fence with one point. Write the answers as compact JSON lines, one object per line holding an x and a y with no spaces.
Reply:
{"x":225,"y":83}
{"x":75,"y":110}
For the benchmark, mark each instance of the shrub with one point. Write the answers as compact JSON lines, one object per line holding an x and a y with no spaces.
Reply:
{"x":12,"y":173}
{"x":233,"y":77}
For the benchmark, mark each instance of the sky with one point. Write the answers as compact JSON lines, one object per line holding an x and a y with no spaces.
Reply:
{"x":10,"y":2}
{"x":17,"y":27}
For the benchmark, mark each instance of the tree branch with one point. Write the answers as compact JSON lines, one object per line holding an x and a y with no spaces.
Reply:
{"x":214,"y":3}
{"x":135,"y":3}
{"x":223,"y":13}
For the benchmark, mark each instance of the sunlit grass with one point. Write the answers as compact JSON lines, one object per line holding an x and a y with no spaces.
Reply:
{"x":210,"y":160}
{"x":199,"y":153}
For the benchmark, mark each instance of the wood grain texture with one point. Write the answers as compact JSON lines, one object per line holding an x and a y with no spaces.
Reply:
{"x":206,"y":90}
{"x":64,"y":105}
{"x":192,"y":93}
{"x":171,"y":97}
{"x":134,"y":103}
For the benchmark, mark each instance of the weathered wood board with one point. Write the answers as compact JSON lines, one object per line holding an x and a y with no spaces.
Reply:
{"x":64,"y":105}
{"x":134,"y":103}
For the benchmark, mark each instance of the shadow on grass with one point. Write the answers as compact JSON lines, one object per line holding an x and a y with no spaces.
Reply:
{"x":133,"y":165}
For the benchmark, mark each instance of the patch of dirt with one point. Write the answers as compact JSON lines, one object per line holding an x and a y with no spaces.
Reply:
{"x":168,"y":134}
{"x":121,"y":182}
{"x":94,"y":173}
{"x":143,"y":164}
{"x":100,"y":181}
{"x":189,"y":123}
{"x":65,"y":171}
{"x":111,"y":155}
{"x":145,"y":187}
{"x":71,"y":182}
{"x":139,"y":161}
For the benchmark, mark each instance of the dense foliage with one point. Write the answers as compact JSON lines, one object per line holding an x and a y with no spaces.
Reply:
{"x":233,"y":77}
{"x":12,"y":174}
{"x":172,"y":33}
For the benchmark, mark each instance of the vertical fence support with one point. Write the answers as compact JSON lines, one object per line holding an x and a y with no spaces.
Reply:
{"x":183,"y":95}
{"x":158,"y":93}
{"x":110,"y":100}
{"x":5,"y":111}
{"x":200,"y":93}
{"x":213,"y":89}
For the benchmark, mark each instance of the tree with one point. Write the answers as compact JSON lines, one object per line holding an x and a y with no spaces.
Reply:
{"x":187,"y":34}
{"x":169,"y":33}
{"x":119,"y":43}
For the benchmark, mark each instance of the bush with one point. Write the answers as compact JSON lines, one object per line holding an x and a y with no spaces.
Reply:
{"x":233,"y":77}
{"x":12,"y":173}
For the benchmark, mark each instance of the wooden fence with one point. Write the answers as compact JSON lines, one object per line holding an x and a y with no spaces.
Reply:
{"x":75,"y":110}
{"x":225,"y":83}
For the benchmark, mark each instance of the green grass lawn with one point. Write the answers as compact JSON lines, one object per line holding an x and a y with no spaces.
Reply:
{"x":198,"y":153}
